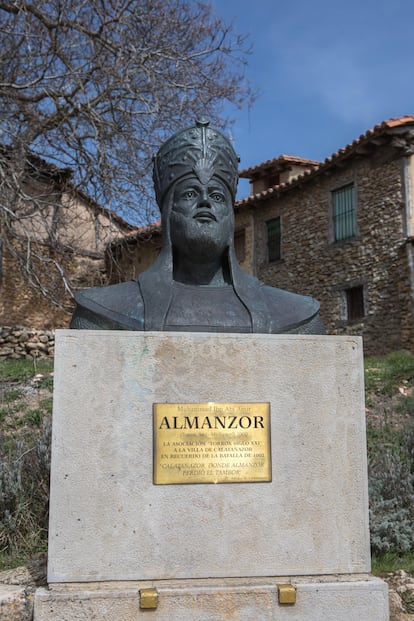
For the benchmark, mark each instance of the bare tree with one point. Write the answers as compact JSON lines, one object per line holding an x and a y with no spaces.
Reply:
{"x":94,"y":86}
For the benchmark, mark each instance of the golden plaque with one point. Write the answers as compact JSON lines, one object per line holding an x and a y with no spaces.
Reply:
{"x":211,"y":443}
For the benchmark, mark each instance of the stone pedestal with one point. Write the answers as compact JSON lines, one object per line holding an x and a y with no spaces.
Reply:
{"x":211,"y":551}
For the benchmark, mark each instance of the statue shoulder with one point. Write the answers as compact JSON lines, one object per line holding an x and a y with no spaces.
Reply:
{"x":292,"y":313}
{"x":115,"y":307}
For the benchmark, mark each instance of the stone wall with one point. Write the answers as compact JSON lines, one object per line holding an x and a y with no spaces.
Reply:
{"x":20,"y":342}
{"x":377,"y":257}
{"x":68,"y":236}
{"x":132,"y":255}
{"x":245,"y":221}
{"x":22,"y":304}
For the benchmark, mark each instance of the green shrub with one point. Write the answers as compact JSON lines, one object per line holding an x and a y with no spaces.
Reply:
{"x":391,"y":496}
{"x":24,"y":493}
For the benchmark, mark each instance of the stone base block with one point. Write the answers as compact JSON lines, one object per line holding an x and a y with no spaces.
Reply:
{"x":109,"y":522}
{"x":188,"y":600}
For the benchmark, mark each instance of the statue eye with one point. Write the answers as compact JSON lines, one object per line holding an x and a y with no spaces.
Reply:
{"x":217,"y":197}
{"x":189,"y":194}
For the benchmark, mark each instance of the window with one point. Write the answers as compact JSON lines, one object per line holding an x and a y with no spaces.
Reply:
{"x":344,"y":217}
{"x":273,"y":230}
{"x":355,"y":302}
{"x":240,"y":244}
{"x":273,"y":179}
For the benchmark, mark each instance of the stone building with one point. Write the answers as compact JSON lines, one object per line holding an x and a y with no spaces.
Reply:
{"x":133,"y":253}
{"x":57,"y":241}
{"x":341,"y":231}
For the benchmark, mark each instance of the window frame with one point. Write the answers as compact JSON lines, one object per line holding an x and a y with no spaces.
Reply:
{"x":269,"y":256}
{"x":346,"y":290}
{"x":344,"y":225}
{"x":355,"y":303}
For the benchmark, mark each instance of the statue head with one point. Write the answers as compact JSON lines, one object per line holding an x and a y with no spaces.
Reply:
{"x":195,"y":179}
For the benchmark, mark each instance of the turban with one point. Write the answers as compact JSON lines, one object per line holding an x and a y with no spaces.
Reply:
{"x":199,"y":150}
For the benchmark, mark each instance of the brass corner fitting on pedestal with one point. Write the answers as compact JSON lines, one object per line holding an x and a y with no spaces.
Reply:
{"x":148,"y":599}
{"x":287,"y":594}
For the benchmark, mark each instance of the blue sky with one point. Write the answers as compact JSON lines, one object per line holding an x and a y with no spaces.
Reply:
{"x":326,"y":72}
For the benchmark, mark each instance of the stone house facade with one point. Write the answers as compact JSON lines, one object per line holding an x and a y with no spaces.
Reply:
{"x":132,"y":254}
{"x":68,"y":234}
{"x":341,"y":231}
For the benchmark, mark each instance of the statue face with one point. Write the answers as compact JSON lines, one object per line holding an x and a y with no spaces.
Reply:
{"x":202,"y":217}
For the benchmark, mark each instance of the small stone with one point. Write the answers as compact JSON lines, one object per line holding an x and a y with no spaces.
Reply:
{"x":401,"y":572}
{"x":396,"y":604}
{"x":41,"y":347}
{"x":6,"y":351}
{"x":15,"y":605}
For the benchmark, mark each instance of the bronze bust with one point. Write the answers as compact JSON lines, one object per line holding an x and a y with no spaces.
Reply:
{"x":196,"y":283}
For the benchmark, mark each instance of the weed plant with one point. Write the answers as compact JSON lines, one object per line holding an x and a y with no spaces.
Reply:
{"x":24,"y":494}
{"x":385,"y":373}
{"x":391,"y":459}
{"x":25,"y":435}
{"x":392,"y":561}
{"x":391,"y":495}
{"x":23,"y":369}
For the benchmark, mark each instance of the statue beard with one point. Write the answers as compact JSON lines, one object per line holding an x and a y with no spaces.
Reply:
{"x":200,"y":241}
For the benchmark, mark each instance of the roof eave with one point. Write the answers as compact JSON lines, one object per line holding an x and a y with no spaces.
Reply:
{"x":389,"y":129}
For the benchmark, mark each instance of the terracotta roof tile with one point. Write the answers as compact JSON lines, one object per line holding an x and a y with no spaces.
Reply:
{"x":139,"y":231}
{"x":342,"y":153}
{"x":246,"y":173}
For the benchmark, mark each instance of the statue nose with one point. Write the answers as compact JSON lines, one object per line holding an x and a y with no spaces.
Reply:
{"x":204,"y":200}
